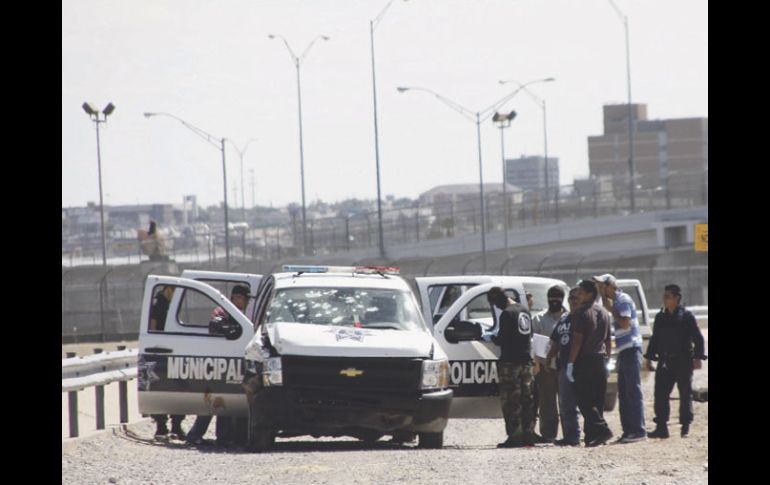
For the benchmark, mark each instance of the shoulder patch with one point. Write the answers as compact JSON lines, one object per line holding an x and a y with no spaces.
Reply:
{"x":525,"y":324}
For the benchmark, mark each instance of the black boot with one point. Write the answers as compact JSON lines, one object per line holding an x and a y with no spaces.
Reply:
{"x":661,"y":431}
{"x":685,"y":430}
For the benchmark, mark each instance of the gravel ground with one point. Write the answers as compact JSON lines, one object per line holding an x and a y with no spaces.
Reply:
{"x":469,"y":455}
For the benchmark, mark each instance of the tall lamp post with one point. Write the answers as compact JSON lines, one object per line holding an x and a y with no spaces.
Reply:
{"x":241,"y":153}
{"x":218,"y":143}
{"x":504,"y":121}
{"x":372,"y":24}
{"x":297,"y":60}
{"x":631,"y":166}
{"x":541,"y":103}
{"x":94,"y":114}
{"x":477,"y":117}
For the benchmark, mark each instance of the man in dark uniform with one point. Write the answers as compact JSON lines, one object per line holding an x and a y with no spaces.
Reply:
{"x":590,"y":344}
{"x":677,"y":345}
{"x":158,"y":313}
{"x":514,"y":369}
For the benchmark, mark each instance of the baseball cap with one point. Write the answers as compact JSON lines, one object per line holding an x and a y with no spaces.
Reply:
{"x":606,"y":279}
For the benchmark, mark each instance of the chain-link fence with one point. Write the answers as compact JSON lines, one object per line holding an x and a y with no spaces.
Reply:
{"x":442,"y":215}
{"x":99,"y":305}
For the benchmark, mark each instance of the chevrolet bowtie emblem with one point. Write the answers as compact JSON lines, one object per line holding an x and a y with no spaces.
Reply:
{"x":351,"y":372}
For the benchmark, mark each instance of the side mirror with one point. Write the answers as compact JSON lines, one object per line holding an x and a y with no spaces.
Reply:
{"x":462,"y":331}
{"x":226,"y":327}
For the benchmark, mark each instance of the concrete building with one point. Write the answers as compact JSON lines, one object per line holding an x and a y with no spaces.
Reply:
{"x":529,"y":172}
{"x":670,"y":155}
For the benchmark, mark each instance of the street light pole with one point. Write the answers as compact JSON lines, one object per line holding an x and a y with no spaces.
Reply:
{"x":218,"y":143}
{"x":541,"y":103}
{"x":631,"y":166}
{"x":504,"y":121}
{"x":481,"y":195}
{"x":241,"y":153}
{"x":477,"y":117}
{"x":253,"y":199}
{"x":297,"y":60}
{"x":372,"y":24}
{"x":94,"y":114}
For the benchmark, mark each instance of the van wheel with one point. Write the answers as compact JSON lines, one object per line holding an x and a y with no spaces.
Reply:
{"x":431,"y":440}
{"x":610,"y":399}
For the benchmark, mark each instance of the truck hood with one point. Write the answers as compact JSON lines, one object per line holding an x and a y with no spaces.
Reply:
{"x":333,"y":341}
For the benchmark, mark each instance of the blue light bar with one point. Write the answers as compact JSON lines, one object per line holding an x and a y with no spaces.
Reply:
{"x":305,"y":268}
{"x":312,"y":268}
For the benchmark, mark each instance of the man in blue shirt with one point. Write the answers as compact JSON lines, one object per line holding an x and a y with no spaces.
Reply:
{"x":628,"y":342}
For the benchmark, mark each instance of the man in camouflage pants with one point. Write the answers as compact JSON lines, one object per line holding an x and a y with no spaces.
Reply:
{"x":514,"y":368}
{"x":516,"y":398}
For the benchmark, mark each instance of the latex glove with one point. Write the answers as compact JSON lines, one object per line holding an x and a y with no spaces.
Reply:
{"x":487,"y":336}
{"x":570,"y":368}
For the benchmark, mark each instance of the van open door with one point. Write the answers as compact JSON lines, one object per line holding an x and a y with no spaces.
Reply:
{"x":472,"y":361}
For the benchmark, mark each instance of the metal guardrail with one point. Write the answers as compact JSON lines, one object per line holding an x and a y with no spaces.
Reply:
{"x":97,"y":371}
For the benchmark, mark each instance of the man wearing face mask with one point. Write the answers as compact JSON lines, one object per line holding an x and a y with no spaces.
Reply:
{"x":546,"y":374}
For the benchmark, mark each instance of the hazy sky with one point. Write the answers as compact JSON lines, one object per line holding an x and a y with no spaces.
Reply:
{"x":212,"y":64}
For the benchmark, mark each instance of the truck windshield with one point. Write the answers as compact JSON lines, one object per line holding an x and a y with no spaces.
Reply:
{"x":353,"y":307}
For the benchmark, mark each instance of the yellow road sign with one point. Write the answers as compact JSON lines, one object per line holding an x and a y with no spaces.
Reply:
{"x":702,"y":237}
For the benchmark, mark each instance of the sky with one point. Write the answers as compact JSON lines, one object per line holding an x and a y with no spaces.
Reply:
{"x":212,"y":64}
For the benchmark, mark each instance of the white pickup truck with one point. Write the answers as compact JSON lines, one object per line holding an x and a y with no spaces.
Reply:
{"x":189,"y":369}
{"x":328,"y":352}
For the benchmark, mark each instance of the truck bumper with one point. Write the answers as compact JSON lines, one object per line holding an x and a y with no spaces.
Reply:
{"x":322,"y":412}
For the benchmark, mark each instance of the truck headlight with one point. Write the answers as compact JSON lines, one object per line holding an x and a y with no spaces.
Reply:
{"x":272,"y":373}
{"x":435,"y":374}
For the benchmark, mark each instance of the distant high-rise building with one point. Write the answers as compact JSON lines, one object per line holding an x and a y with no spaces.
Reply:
{"x":529,"y":172}
{"x":670,"y":153}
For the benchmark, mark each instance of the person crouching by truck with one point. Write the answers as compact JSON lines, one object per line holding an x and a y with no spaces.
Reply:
{"x":677,"y":344}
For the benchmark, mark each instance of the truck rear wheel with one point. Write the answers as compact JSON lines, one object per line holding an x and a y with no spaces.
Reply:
{"x":431,"y":440}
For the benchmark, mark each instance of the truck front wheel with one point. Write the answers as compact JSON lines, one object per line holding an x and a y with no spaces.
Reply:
{"x":259,"y":437}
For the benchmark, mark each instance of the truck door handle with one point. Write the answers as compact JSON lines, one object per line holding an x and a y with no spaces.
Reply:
{"x":158,"y":350}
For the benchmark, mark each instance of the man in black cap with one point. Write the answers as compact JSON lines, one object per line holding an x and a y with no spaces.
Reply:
{"x":514,"y":368}
{"x":158,"y":314}
{"x":590,"y":344}
{"x":677,"y":344}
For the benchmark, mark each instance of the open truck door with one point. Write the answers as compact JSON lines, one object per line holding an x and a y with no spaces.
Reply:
{"x":193,"y":365}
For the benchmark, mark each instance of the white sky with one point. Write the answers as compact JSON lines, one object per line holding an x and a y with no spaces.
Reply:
{"x":212,"y":64}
